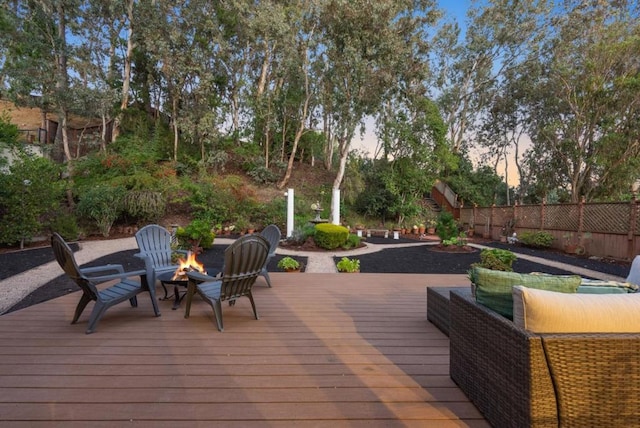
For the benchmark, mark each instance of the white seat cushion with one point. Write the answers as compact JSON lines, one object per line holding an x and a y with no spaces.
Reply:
{"x":542,"y":311}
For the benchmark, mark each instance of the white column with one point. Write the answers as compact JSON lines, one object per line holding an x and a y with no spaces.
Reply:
{"x":335,"y":210}
{"x":289,"y":196}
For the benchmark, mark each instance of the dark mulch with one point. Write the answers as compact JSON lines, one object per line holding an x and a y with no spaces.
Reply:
{"x":15,"y":262}
{"x":420,"y":259}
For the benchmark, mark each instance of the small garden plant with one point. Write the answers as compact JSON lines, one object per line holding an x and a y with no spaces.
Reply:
{"x":536,"y":239}
{"x":288,"y":264}
{"x":348,"y":265}
{"x":447,"y":227}
{"x":496,"y":259}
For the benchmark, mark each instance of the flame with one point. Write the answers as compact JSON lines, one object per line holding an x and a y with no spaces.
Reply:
{"x":188,"y":264}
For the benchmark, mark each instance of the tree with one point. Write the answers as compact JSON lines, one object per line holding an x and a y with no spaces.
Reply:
{"x":365,"y":48}
{"x":497,"y":39}
{"x":28,"y":193}
{"x":584,"y":109}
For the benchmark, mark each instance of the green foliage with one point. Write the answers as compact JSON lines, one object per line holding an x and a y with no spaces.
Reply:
{"x":330,"y":236}
{"x":8,"y":131}
{"x":66,"y":225}
{"x":446,"y":227}
{"x":496,"y":259}
{"x":262,"y":174}
{"x":196,"y":234}
{"x":29,"y":195}
{"x":458,"y":241}
{"x":538,"y":239}
{"x":353,"y":241}
{"x":102,"y":204}
{"x":288,"y":263}
{"x":147,"y":206}
{"x":348,"y":265}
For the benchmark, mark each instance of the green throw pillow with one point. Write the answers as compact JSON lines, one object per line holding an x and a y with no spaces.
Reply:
{"x":493,"y":288}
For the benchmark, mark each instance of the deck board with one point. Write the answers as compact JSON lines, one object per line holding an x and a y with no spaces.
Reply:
{"x":328,"y":350}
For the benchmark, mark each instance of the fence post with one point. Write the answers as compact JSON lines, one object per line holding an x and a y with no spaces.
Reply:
{"x":542,"y":212}
{"x":631,"y":234}
{"x":492,"y":216}
{"x":581,"y":215}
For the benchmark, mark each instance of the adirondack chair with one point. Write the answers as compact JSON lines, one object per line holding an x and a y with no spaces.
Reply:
{"x":154,"y":242}
{"x":634,"y":271}
{"x":272,"y":234}
{"x":125,"y":289}
{"x":243,"y":262}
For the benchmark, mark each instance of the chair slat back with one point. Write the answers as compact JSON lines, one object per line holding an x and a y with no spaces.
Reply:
{"x":272,"y":234}
{"x":634,"y":271}
{"x":243,"y":261}
{"x":66,"y":260}
{"x":154,"y":241}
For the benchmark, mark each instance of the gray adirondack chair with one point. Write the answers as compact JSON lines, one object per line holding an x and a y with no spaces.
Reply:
{"x":634,"y":271}
{"x":272,"y":234}
{"x":154,"y":242}
{"x":243,"y":262}
{"x":125,"y":289}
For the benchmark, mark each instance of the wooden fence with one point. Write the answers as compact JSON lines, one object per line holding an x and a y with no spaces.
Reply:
{"x":606,"y":229}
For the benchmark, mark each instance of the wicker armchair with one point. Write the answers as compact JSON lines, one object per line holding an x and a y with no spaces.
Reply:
{"x":522,"y":379}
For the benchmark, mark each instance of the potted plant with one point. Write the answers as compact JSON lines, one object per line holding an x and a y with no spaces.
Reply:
{"x":421,"y":229}
{"x":289,"y":264}
{"x":348,"y":265}
{"x":431,"y":227}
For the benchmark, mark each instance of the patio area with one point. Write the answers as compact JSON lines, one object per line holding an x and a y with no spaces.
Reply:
{"x":328,"y":350}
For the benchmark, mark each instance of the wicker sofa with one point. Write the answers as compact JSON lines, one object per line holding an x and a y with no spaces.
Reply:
{"x":522,"y":379}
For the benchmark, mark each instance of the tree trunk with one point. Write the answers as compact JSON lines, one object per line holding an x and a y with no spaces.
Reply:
{"x":126,"y":78}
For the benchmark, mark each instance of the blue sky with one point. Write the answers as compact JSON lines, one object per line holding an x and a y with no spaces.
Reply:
{"x":455,"y":8}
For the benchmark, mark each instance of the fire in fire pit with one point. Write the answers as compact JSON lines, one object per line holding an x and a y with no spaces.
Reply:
{"x":187,"y":265}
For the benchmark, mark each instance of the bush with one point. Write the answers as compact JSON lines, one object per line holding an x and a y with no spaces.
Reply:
{"x":66,"y":226}
{"x":353,"y":241}
{"x":330,"y":236}
{"x":288,"y":263}
{"x":446,"y":227}
{"x":197,"y":234}
{"x":146,"y":206}
{"x":102,"y":204}
{"x":496,"y":259}
{"x":29,"y":194}
{"x":348,"y":265}
{"x":536,"y":239}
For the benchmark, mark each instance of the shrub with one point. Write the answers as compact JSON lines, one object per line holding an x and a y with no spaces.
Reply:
{"x":197,"y":234}
{"x":288,"y":263}
{"x":147,"y":206}
{"x":353,"y":241}
{"x":446,"y":227}
{"x":330,"y":236}
{"x":536,"y":239}
{"x":102,"y":204}
{"x":28,"y":195}
{"x":496,"y":259}
{"x":300,"y":234}
{"x":65,"y":225}
{"x":348,"y":265}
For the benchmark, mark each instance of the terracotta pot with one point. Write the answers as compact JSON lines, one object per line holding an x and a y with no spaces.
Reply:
{"x":431,"y":230}
{"x":421,"y":230}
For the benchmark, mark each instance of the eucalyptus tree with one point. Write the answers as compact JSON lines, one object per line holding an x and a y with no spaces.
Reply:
{"x":364,"y":47}
{"x":498,"y":37}
{"x":585,"y":104}
{"x":103,"y":79}
{"x":37,"y":58}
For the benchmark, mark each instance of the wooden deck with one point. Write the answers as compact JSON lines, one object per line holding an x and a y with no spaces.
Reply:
{"x":330,"y":350}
